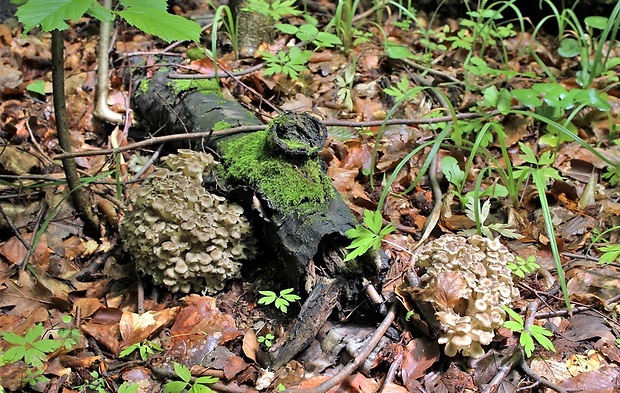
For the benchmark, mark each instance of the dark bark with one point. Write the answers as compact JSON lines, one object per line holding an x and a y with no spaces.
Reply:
{"x":79,"y":196}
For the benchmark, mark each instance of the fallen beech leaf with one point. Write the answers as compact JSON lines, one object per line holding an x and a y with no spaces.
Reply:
{"x":135,"y":328}
{"x":450,"y":288}
{"x":201,"y":317}
{"x":15,"y":252}
{"x":250,"y":344}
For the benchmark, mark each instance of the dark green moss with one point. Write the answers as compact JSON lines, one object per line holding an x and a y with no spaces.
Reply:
{"x":299,"y":186}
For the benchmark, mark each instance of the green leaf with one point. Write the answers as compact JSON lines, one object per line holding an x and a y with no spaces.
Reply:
{"x":514,"y":315}
{"x":198,"y":388}
{"x":451,"y":170}
{"x":160,"y":5}
{"x":206,"y":380}
{"x":51,"y":14}
{"x":47,"y":346}
{"x":183,"y":372}
{"x":286,"y":28}
{"x":161,"y":24}
{"x":527,"y":343}
{"x":37,"y":86}
{"x":33,"y":333}
{"x":14,"y":338}
{"x":593,"y":97}
{"x":596,"y":22}
{"x":127,"y":351}
{"x":527,"y":97}
{"x":13,"y":354}
{"x":175,"y":387}
{"x":395,"y":51}
{"x":373,"y":220}
{"x":569,"y":47}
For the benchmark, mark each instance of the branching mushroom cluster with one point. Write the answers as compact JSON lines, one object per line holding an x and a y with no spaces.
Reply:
{"x":179,"y":234}
{"x":467,"y":282}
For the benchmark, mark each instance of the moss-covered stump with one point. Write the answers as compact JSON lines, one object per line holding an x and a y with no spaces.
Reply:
{"x":299,"y":200}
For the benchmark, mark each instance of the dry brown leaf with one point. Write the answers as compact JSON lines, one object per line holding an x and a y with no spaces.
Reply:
{"x":250,"y":344}
{"x":135,"y":328}
{"x":450,"y":288}
{"x":201,"y":317}
{"x":420,"y":354}
{"x":15,"y":252}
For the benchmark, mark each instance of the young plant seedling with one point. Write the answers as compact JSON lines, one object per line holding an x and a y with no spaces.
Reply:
{"x":535,"y":332}
{"x":281,"y":301}
{"x":145,"y":349}
{"x":29,"y":347}
{"x":200,"y":385}
{"x":267,"y":339}
{"x":522,"y":267}
{"x":367,"y":236}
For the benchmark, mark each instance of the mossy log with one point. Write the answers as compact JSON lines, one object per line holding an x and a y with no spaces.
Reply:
{"x":280,"y":180}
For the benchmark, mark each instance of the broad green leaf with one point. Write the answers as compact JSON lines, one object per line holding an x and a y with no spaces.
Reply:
{"x":37,"y":86}
{"x":596,"y":22}
{"x":161,"y":5}
{"x":97,"y":11}
{"x":569,"y":47}
{"x":594,"y":98}
{"x":161,"y":24}
{"x":175,"y":387}
{"x":286,"y":291}
{"x":51,"y":14}
{"x":527,"y":97}
{"x":491,"y":96}
{"x":198,"y":388}
{"x":286,"y":28}
{"x":454,"y":174}
{"x":395,"y":51}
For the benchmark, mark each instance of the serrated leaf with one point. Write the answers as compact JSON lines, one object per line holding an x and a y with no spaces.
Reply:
{"x":51,"y":14}
{"x":161,"y":24}
{"x":97,"y":11}
{"x":286,"y":28}
{"x":161,"y":5}
{"x":182,"y":371}
{"x":33,"y":333}
{"x":13,"y":354}
{"x":206,"y":380}
{"x":47,"y":346}
{"x":527,"y":343}
{"x":14,"y":338}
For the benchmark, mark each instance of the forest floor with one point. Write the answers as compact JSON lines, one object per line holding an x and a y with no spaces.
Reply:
{"x":484,"y":117}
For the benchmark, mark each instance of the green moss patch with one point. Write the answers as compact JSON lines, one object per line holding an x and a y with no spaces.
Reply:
{"x":205,"y":86}
{"x":291,"y":186}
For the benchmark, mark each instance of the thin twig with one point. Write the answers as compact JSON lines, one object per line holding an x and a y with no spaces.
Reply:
{"x":241,"y":129}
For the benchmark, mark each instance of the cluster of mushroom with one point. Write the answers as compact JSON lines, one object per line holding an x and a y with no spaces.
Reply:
{"x":181,"y":235}
{"x":471,"y":283}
